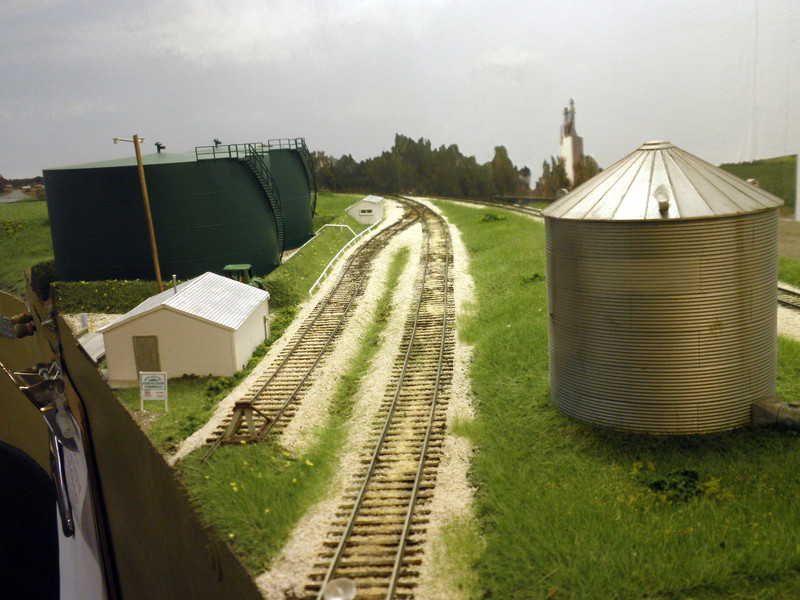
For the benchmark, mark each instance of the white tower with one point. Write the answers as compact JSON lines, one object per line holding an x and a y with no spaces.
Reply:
{"x":570,"y":145}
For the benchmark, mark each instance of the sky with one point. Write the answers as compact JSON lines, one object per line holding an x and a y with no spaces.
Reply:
{"x":719,"y":78}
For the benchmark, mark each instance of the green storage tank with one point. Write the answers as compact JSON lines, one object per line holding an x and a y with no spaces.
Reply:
{"x":289,"y":163}
{"x":206,"y":214}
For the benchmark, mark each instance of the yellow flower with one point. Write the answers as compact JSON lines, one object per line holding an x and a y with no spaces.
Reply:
{"x":231,"y":535}
{"x":309,"y":463}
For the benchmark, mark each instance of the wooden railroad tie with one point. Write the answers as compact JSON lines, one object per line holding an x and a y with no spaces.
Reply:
{"x":243,"y":410}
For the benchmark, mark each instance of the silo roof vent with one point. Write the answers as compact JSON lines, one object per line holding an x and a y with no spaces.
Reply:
{"x":660,"y":181}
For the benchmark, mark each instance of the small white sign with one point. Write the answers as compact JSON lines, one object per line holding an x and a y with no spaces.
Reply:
{"x":152,"y":386}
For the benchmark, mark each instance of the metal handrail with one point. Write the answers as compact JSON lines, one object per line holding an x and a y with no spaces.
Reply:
{"x":345,"y":247}
{"x":316,"y":233}
{"x":286,"y":144}
{"x":229,"y":150}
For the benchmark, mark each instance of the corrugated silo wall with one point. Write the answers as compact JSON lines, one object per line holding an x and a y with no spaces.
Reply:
{"x":205,"y":214}
{"x":288,"y":172}
{"x":662,"y":327}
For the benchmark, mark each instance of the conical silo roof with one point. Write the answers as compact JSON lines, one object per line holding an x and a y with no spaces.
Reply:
{"x":659,"y":181}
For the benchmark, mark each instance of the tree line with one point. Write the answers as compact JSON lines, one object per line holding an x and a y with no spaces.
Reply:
{"x":416,"y":167}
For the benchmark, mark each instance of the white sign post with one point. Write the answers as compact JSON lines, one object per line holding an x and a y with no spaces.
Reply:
{"x":153,"y":386}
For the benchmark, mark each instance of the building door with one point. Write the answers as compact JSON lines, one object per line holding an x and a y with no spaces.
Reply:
{"x":145,"y":353}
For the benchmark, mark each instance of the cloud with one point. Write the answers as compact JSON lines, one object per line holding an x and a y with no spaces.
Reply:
{"x":508,"y":58}
{"x":206,"y":32}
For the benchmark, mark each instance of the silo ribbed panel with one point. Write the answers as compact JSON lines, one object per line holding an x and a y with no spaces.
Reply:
{"x":662,"y":326}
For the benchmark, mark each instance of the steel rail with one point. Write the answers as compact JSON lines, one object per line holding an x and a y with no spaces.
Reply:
{"x":525,"y":210}
{"x":320,"y":311}
{"x":334,"y":565}
{"x":788,"y":298}
{"x":422,"y":459}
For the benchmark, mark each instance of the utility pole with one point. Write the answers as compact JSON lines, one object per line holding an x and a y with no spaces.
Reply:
{"x":150,"y":230}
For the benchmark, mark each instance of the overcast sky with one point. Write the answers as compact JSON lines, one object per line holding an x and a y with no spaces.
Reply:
{"x":718,"y":78}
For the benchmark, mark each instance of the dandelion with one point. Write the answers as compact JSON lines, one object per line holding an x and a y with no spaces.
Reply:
{"x":231,"y":536}
{"x":309,"y":463}
{"x":294,"y":479}
{"x":266,"y":510}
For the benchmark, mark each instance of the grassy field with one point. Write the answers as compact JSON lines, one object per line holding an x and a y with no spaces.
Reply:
{"x":566,"y":510}
{"x":789,"y":270}
{"x":24,"y":241}
{"x":776,"y":175}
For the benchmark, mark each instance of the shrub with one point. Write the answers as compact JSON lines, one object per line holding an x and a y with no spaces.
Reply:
{"x":101,"y":296}
{"x":42,"y":275}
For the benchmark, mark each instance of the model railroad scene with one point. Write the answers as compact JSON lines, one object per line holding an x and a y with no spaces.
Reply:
{"x":339,"y":396}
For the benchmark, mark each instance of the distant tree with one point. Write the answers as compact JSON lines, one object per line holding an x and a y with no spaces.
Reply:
{"x":585,"y":169}
{"x":504,"y":174}
{"x":553,"y":178}
{"x":525,"y":178}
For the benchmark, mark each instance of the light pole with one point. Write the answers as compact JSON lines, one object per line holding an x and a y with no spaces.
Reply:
{"x":135,"y":141}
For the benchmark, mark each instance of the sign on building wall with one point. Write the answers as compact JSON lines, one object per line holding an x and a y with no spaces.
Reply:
{"x":153,"y":386}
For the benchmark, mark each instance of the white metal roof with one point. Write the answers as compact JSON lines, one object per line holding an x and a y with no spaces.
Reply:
{"x":210,"y":297}
{"x":370,"y":199}
{"x":659,"y":181}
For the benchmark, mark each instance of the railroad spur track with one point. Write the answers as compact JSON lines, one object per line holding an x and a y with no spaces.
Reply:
{"x":275,"y":397}
{"x":788,"y":298}
{"x":376,"y":537}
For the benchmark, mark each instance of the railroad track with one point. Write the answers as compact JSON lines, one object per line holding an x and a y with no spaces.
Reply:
{"x":276,"y":396}
{"x":519,"y":208}
{"x":376,"y":537}
{"x":788,"y":298}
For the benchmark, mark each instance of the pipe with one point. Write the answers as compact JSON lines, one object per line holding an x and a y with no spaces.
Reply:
{"x":771,"y":412}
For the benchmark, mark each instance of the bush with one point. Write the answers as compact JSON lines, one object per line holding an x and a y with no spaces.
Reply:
{"x":101,"y":296}
{"x":8,"y":227}
{"x":42,"y":275}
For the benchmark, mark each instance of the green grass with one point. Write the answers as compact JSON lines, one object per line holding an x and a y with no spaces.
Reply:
{"x":789,"y":270}
{"x":255,"y":494}
{"x":24,"y":241}
{"x":191,"y":403}
{"x":565,"y":510}
{"x":776,"y":175}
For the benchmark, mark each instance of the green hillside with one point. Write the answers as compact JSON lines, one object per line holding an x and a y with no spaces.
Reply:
{"x":776,"y":175}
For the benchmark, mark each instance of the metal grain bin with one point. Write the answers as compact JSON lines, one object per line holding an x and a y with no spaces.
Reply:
{"x":661,"y":278}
